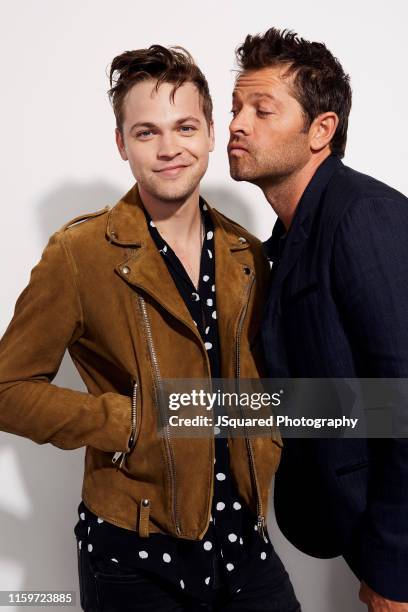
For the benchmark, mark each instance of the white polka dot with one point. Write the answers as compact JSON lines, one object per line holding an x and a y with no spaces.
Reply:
{"x":209,"y":235}
{"x":195,"y":297}
{"x":236,"y":505}
{"x":209,"y":302}
{"x":220,"y":476}
{"x":207,"y":545}
{"x":207,"y":329}
{"x":229,"y":567}
{"x":100,"y":520}
{"x":265,"y":539}
{"x":263,"y":555}
{"x":205,"y":278}
{"x":209,"y":253}
{"x":152,"y":224}
{"x":207,"y":580}
{"x":182,"y":584}
{"x":90,"y":548}
{"x":195,"y":323}
{"x":232,"y":537}
{"x":89,"y":529}
{"x":80,"y":544}
{"x":214,"y":314}
{"x":143,"y":554}
{"x":256,"y":527}
{"x":115,"y":560}
{"x":217,"y":430}
{"x":166,"y":558}
{"x":82,"y":516}
{"x":213,"y":288}
{"x":222,"y":553}
{"x":208,"y":345}
{"x":220,"y":506}
{"x":241,"y":541}
{"x":165,"y":248}
{"x":238,"y":590}
{"x":205,"y":207}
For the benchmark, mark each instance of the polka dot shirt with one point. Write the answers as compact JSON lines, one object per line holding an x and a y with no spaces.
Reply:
{"x":232,"y":546}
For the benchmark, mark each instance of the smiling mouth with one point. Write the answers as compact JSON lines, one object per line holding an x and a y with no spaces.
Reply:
{"x":171,"y":170}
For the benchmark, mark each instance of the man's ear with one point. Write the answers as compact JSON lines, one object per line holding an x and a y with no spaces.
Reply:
{"x":212,"y":136}
{"x":120,"y":144}
{"x":322,"y":130}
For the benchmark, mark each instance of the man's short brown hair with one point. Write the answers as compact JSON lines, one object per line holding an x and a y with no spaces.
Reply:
{"x":319,"y":81}
{"x":166,"y":65}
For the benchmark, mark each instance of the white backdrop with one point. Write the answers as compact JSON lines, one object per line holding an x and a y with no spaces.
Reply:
{"x":59,"y":160}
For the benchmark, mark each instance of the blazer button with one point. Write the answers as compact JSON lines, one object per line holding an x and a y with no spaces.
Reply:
{"x":114,"y":235}
{"x":247,"y":270}
{"x":145,"y":502}
{"x":125,"y":270}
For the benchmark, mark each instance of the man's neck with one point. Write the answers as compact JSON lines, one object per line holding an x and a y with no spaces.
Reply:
{"x":177,"y":221}
{"x":284,"y":196}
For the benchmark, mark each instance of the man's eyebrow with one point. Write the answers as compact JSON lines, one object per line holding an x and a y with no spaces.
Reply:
{"x":263,"y":95}
{"x":256,"y":95}
{"x":145,"y":124}
{"x":188,"y":118}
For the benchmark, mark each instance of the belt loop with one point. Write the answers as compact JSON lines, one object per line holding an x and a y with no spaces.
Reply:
{"x":144,"y":511}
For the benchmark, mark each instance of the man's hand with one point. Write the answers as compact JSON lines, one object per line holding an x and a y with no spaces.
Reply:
{"x":376,"y":603}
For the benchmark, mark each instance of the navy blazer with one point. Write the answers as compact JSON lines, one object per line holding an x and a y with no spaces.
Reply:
{"x":338,"y":307}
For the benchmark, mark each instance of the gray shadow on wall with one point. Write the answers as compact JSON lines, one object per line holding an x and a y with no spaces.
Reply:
{"x":43,"y":544}
{"x":226,"y":202}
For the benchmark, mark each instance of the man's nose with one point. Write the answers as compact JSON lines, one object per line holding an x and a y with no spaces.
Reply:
{"x":240,"y":124}
{"x":169,"y":147}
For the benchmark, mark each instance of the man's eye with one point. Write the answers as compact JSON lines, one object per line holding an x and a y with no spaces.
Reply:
{"x":186,"y":129}
{"x":144,"y":134}
{"x":262,"y":113}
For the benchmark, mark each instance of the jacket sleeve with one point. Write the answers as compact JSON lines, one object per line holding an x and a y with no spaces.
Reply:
{"x":47,"y":320}
{"x":371,"y":277}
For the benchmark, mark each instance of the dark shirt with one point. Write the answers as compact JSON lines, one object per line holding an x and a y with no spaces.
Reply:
{"x":231,"y":546}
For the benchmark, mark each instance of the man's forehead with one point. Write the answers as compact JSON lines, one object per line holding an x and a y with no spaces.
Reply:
{"x":262,"y":80}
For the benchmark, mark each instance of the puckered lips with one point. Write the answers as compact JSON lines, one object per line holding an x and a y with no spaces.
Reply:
{"x":237,"y":148}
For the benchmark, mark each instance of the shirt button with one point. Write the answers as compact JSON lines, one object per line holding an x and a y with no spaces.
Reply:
{"x":125,"y":270}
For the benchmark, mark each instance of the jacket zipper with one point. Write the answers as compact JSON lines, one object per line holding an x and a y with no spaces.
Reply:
{"x":157,"y":384}
{"x":119,"y":457}
{"x":260,"y":514}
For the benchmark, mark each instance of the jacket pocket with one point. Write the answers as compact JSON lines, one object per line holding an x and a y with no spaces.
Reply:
{"x":353,"y":467}
{"x":299,"y":293}
{"x":120,"y":456}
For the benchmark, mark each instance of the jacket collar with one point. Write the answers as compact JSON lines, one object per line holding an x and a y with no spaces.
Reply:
{"x":126,"y":224}
{"x":144,"y":266}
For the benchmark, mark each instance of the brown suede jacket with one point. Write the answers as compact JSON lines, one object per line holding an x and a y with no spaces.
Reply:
{"x":102,"y":291}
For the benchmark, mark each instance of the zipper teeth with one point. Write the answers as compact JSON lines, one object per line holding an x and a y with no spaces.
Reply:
{"x":260,"y":515}
{"x":132,"y":440}
{"x":157,"y":393}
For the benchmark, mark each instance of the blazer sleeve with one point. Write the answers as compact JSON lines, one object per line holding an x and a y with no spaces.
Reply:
{"x":47,"y":320}
{"x":370,"y":270}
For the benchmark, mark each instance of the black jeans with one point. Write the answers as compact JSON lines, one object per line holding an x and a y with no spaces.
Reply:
{"x":143,"y":591}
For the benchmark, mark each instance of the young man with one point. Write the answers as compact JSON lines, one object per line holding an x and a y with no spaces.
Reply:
{"x":337,"y":305}
{"x":160,"y":286}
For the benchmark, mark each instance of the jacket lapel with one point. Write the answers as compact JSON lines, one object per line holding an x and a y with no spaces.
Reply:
{"x":145,"y":269}
{"x":300,"y":228}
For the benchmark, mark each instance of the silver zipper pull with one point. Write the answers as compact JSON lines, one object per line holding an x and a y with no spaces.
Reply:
{"x":119,"y":455}
{"x":262,"y":527}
